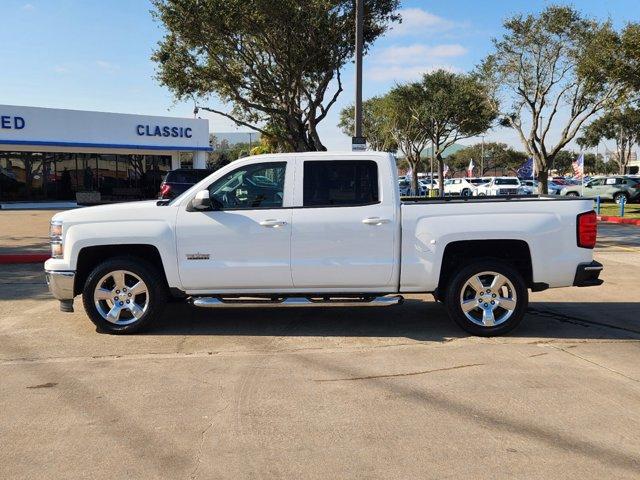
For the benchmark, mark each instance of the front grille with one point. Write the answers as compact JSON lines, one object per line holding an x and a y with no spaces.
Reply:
{"x":507,"y":191}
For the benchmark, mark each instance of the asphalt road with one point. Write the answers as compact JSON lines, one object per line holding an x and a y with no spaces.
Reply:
{"x":346,"y":393}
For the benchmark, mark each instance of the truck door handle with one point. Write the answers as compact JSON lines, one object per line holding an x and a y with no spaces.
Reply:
{"x":375,"y":221}
{"x":273,"y":223}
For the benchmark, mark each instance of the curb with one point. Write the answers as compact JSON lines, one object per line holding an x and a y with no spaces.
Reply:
{"x":18,"y":258}
{"x":627,"y":221}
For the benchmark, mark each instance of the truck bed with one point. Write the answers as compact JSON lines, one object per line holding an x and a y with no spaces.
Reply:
{"x":503,"y":198}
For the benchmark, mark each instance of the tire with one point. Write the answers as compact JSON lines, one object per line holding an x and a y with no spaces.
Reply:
{"x":486,"y":319}
{"x":572,"y":194}
{"x":139,"y":304}
{"x":466,"y":192}
{"x":619,"y":196}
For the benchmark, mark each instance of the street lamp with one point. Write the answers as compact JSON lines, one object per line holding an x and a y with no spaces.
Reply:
{"x":482,"y":156}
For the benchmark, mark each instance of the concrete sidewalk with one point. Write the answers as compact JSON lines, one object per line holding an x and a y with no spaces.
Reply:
{"x":24,"y":231}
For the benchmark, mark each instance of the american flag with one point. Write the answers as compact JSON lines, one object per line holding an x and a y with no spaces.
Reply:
{"x":578,"y":166}
{"x":445,"y":170}
{"x":526,"y":169}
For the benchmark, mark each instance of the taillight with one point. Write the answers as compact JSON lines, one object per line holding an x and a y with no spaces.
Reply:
{"x":587,"y":229}
{"x":164,"y":190}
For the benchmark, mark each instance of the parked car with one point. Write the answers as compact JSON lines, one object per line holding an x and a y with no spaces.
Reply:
{"x":325,"y":230}
{"x":404,"y":186}
{"x":530,"y":187}
{"x":180,"y":180}
{"x":500,"y":186}
{"x":554,"y":188}
{"x":608,"y":188}
{"x":461,"y":186}
{"x":427,"y":184}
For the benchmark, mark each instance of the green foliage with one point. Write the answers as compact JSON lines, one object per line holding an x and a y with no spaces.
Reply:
{"x":557,"y":68}
{"x":374,"y":124}
{"x":277,"y":62}
{"x":592,"y":165}
{"x":620,"y":124}
{"x":496,"y":156}
{"x":441,"y":109}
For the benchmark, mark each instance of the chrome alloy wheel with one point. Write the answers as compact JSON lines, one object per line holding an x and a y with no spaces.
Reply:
{"x":488,"y":299}
{"x":121,"y":297}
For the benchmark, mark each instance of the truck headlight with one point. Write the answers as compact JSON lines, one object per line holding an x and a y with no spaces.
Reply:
{"x":55,"y":236}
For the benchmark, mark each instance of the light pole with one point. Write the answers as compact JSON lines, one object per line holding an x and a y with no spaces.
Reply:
{"x":358,"y":141}
{"x":482,"y":157}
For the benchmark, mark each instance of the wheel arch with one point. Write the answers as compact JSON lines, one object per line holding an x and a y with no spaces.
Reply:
{"x":89,"y":257}
{"x":458,"y":254}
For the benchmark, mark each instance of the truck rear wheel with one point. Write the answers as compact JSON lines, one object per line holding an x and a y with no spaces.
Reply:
{"x":123,"y":295}
{"x":487,"y":298}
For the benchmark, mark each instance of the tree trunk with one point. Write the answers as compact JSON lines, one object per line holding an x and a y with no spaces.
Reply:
{"x":414,"y":163}
{"x":440,"y":175}
{"x":542,"y":173}
{"x":543,"y":178}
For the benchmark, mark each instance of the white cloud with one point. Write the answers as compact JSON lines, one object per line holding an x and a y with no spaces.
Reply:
{"x":417,"y":53}
{"x":28,"y":7}
{"x":404,"y":73}
{"x":107,"y":66}
{"x":416,"y":21}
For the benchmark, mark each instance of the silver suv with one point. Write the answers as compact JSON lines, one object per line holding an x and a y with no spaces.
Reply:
{"x":608,"y":188}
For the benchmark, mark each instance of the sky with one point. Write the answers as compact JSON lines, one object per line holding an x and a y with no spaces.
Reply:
{"x":95,"y":55}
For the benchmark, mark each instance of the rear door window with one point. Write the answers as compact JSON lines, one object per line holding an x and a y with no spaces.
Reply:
{"x":340,"y":183}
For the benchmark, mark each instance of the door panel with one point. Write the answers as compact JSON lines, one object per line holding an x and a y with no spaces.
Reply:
{"x":242,"y":252}
{"x":333,"y":247}
{"x":246,"y":243}
{"x":343,"y":237}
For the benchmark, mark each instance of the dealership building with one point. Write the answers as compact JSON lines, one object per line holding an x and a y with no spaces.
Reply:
{"x":54,"y":154}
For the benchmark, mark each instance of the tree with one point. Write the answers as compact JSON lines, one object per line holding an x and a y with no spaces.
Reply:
{"x":404,"y":119}
{"x":556,"y":68}
{"x":496,"y":156}
{"x":450,"y":107}
{"x":276,"y":62}
{"x":622,"y":125}
{"x":375,"y":126}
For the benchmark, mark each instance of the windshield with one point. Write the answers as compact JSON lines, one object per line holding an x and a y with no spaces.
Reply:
{"x":507,"y":181}
{"x":476,"y":181}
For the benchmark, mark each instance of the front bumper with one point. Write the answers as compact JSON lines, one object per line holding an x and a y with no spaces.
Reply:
{"x":587,"y":275}
{"x":60,"y":283}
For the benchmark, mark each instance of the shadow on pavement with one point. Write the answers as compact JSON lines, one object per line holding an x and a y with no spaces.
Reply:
{"x":23,"y":282}
{"x":415,"y":319}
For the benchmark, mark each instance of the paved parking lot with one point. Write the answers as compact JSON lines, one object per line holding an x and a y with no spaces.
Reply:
{"x":345,"y":393}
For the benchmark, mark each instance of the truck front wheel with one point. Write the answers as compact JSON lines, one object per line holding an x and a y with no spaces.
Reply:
{"x":487,"y":298}
{"x":123,"y":295}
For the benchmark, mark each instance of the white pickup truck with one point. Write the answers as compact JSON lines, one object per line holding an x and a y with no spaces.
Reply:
{"x":318,"y":229}
{"x":501,"y":186}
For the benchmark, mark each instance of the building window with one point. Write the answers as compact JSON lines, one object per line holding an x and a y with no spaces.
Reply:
{"x":60,"y":175}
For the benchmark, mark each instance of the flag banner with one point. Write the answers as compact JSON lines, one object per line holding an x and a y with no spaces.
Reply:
{"x":445,"y":170}
{"x":578,"y":166}
{"x":526,"y":169}
{"x":470,"y":168}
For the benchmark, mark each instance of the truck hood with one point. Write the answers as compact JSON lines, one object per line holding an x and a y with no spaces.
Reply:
{"x":144,"y":210}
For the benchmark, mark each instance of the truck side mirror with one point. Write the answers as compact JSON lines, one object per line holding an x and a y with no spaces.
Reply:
{"x":201,"y":201}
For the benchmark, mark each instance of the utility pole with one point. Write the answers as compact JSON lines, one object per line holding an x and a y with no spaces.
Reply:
{"x":357,"y":141}
{"x":482,"y":157}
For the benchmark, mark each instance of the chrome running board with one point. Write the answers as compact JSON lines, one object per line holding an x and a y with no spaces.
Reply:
{"x":217,"y":302}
